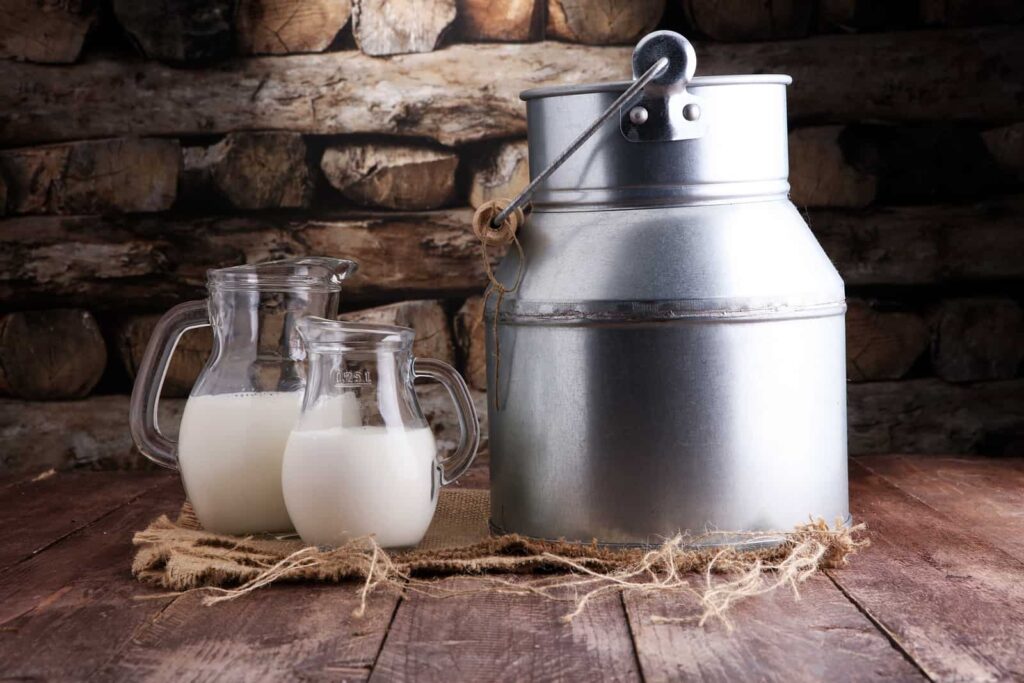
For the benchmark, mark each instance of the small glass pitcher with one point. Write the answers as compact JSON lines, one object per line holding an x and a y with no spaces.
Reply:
{"x":247,"y":397}
{"x":362,"y":458}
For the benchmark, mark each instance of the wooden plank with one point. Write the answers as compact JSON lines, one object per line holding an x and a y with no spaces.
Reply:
{"x":287,"y":632}
{"x":103,"y":546}
{"x":41,"y":512}
{"x":821,"y":637}
{"x":983,"y":494}
{"x":496,"y":637}
{"x":451,"y":95}
{"x":145,"y":261}
{"x":66,"y":611}
{"x":950,"y":599}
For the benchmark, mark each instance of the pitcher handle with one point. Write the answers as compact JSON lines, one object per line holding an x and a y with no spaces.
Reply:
{"x":455,"y":465}
{"x":142,"y":416}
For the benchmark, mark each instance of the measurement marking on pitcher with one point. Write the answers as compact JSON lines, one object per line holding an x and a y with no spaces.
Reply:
{"x":351,"y":378}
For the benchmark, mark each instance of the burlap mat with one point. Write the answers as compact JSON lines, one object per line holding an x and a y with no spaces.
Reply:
{"x":180,"y":555}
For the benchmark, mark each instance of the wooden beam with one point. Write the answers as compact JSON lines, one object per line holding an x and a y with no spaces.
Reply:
{"x":931,"y":416}
{"x":272,"y":27}
{"x":821,"y":175}
{"x":742,"y":20}
{"x":179,"y":31}
{"x":602,"y":22}
{"x":971,"y":12}
{"x":50,"y":354}
{"x":1006,"y":145}
{"x":190,"y":355}
{"x":452,"y":95}
{"x":267,"y":170}
{"x":404,"y":177}
{"x":978,"y":339}
{"x":919,"y":245}
{"x":472,"y":340}
{"x":92,"y":433}
{"x":385,"y":27}
{"x":501,"y":174}
{"x":149,"y":262}
{"x":500,"y":20}
{"x":116,"y":175}
{"x":48,"y":32}
{"x":427,"y":318}
{"x":881,"y":345}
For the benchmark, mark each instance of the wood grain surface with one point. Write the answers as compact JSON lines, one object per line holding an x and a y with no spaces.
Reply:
{"x":40,"y":580}
{"x":820,"y":637}
{"x":938,"y":594}
{"x":985,"y":495}
{"x":304,"y":632}
{"x":949,"y":598}
{"x":453,"y":96}
{"x":40,"y":512}
{"x":495,"y":637}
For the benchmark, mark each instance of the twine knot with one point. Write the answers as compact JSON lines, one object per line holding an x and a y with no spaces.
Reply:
{"x":505,"y":233}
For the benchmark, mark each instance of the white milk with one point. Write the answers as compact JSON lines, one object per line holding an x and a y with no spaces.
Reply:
{"x":230,"y":448}
{"x":346,"y":482}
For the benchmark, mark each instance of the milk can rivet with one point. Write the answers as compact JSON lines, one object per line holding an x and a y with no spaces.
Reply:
{"x":691,"y":112}
{"x":638,"y":116}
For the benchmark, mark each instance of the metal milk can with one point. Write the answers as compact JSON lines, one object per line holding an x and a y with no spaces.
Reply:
{"x":674,"y":355}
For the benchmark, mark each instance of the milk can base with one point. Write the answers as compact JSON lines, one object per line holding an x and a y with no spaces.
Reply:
{"x":740,"y":545}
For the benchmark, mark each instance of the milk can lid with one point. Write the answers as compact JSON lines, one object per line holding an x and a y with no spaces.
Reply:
{"x":666,"y":137}
{"x":666,"y":109}
{"x":619,"y":86}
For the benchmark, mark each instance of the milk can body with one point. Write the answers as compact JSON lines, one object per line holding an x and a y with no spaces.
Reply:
{"x":674,"y":358}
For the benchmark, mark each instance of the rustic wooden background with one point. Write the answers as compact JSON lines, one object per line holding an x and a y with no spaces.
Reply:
{"x":144,"y":142}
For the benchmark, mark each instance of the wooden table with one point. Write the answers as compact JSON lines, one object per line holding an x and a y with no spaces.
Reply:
{"x":939,"y":594}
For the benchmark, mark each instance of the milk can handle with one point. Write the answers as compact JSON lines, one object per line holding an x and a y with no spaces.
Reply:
{"x":520,"y":200}
{"x":142,"y":417}
{"x":454,"y":465}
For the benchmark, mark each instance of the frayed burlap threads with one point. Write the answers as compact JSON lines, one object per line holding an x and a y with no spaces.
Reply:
{"x":180,"y":556}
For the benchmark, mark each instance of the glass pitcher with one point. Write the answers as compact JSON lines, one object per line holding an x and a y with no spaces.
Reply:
{"x":362,"y":458}
{"x":247,"y":397}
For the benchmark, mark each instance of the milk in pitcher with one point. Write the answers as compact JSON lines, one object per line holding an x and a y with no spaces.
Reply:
{"x":350,"y":481}
{"x":230,"y":450}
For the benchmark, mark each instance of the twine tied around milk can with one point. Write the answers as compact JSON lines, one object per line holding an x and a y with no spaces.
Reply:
{"x":492,"y":233}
